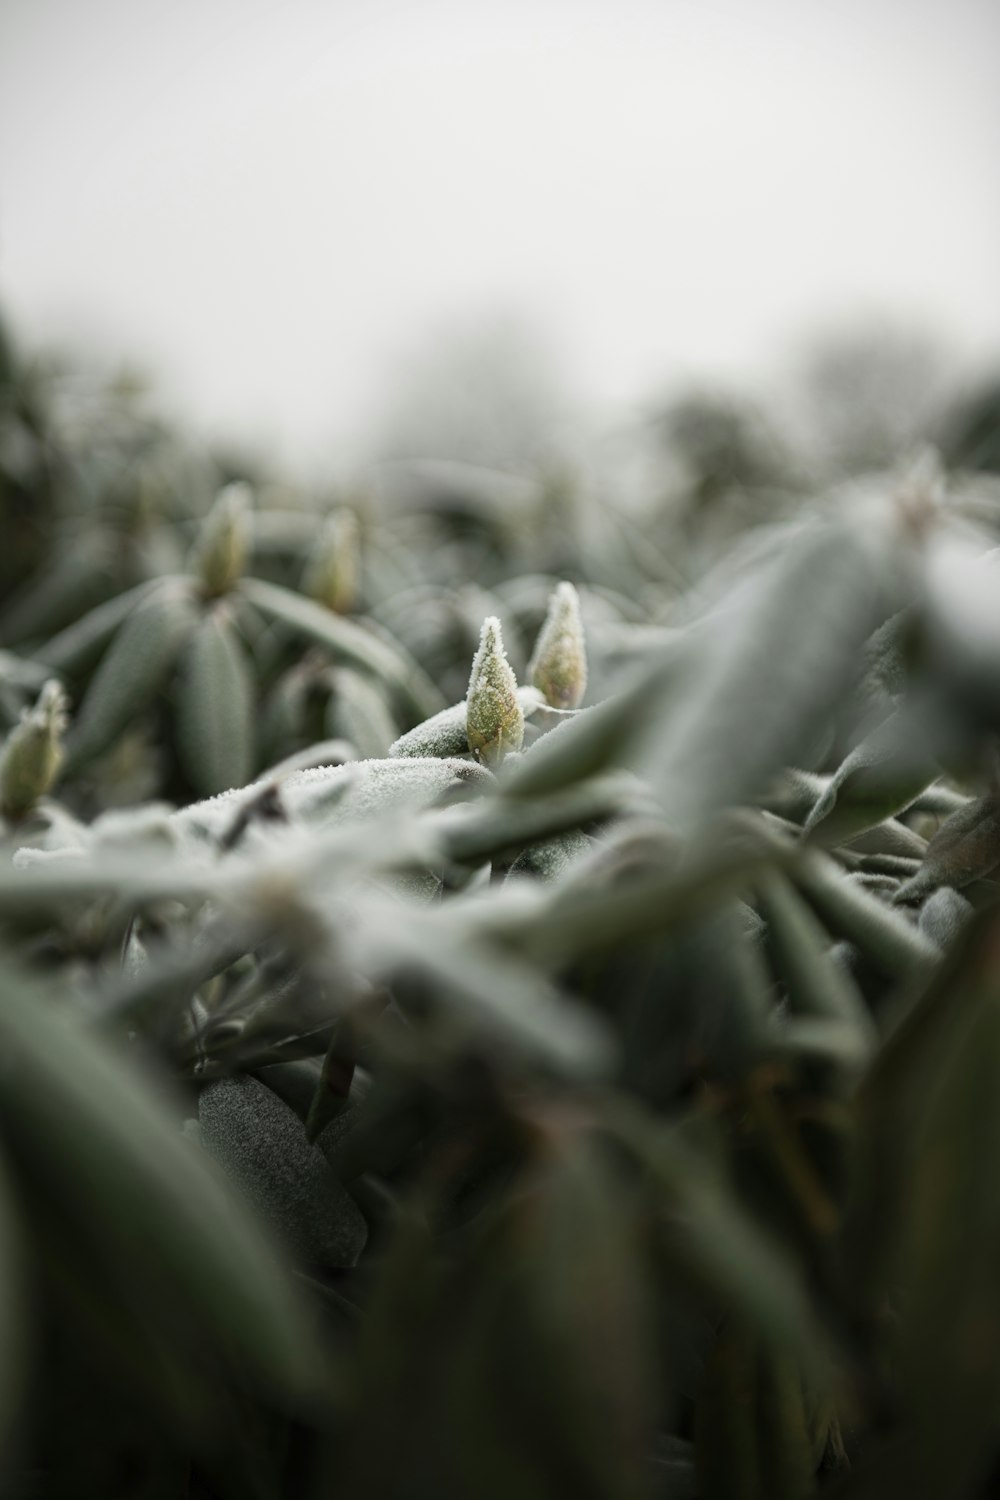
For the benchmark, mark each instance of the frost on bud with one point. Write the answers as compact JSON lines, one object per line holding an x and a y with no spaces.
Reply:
{"x":221,"y":551}
{"x":494,"y":718}
{"x":334,"y":569}
{"x":558,"y":665}
{"x":33,"y":752}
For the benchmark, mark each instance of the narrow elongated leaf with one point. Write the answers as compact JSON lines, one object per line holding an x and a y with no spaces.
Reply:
{"x":926,"y":1217}
{"x":576,"y":1326}
{"x":357,"y":712}
{"x":962,"y":626}
{"x":14,"y":1352}
{"x":849,"y":912}
{"x":793,"y":793}
{"x":50,"y":885}
{"x":501,"y":825}
{"x":348,"y":641}
{"x":773,"y":664}
{"x":486,"y":989}
{"x":594,"y":739}
{"x":964,"y":849}
{"x":215,"y":728}
{"x":891,"y":838}
{"x":881,"y":776}
{"x":91,"y":1133}
{"x":521,"y":1365}
{"x":74,"y":649}
{"x":939,"y":800}
{"x":141,"y":656}
{"x":576,"y":920}
{"x":727,"y":1439}
{"x":786,"y":1461}
{"x":815,"y":985}
{"x":73,"y":579}
{"x":949,"y":1337}
{"x":720,"y":1249}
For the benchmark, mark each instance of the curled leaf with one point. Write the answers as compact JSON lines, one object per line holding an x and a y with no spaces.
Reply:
{"x":879,"y":778}
{"x":964,"y":849}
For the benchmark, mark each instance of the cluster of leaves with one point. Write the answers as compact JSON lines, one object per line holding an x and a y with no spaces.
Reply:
{"x":589,"y":1087}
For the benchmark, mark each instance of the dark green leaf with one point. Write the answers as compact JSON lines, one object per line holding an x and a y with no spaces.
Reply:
{"x":93,"y":1136}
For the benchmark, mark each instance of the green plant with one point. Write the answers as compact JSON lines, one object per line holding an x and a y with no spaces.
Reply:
{"x":590,"y":1089}
{"x":188,"y":641}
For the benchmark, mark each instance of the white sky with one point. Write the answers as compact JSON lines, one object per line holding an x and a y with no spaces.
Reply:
{"x":269,"y":204}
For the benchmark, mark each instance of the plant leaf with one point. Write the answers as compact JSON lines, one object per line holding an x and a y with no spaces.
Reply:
{"x":348,"y":641}
{"x":215,"y":727}
{"x":772,"y":665}
{"x":91,"y":1134}
{"x":815,"y":985}
{"x":881,"y":776}
{"x":141,"y":656}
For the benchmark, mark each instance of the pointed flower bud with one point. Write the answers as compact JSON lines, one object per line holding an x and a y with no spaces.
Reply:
{"x":333,"y":572}
{"x":221,"y":552}
{"x":494,"y":717}
{"x":558,"y":665}
{"x":33,"y":753}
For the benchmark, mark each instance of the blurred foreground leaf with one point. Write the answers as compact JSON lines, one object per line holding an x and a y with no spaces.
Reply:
{"x":161,"y":1252}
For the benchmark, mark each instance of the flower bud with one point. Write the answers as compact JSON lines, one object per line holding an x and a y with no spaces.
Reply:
{"x":333,"y":572}
{"x":33,"y":752}
{"x":494,"y":718}
{"x":221,"y":551}
{"x":558,"y":665}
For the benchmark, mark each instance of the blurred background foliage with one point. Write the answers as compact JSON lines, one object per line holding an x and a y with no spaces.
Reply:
{"x":611,"y":1117}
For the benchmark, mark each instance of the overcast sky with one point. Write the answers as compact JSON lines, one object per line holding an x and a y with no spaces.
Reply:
{"x":272,"y":205}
